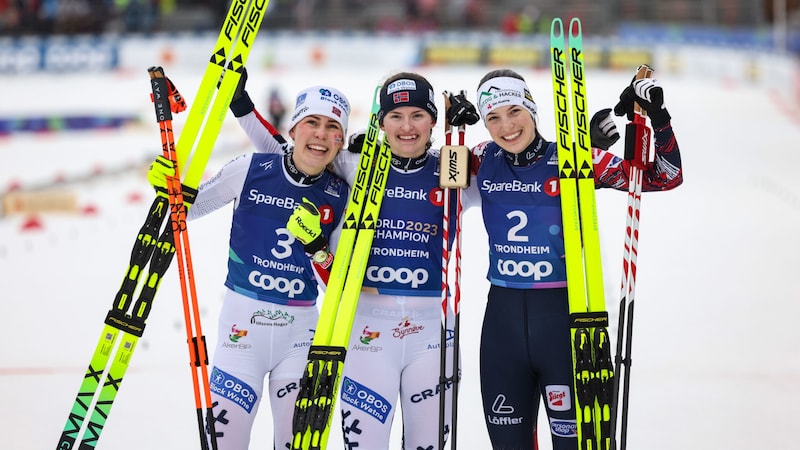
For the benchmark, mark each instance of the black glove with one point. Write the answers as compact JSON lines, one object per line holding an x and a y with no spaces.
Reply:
{"x":650,"y":96}
{"x":461,"y":111}
{"x":240,"y":87}
{"x":602,"y":129}
{"x":241,"y":104}
{"x":356,"y":141}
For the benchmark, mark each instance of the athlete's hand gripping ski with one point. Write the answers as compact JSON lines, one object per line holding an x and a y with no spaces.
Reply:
{"x":161,"y":169}
{"x":304,"y":224}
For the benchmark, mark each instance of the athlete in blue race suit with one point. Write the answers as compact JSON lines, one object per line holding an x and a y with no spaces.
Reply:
{"x":395,"y":344}
{"x":525,"y":342}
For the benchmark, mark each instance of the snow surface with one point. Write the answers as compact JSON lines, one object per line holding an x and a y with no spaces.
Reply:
{"x":715,"y":358}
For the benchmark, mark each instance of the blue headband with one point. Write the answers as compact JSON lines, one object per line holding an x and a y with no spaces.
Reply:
{"x":407,"y":92}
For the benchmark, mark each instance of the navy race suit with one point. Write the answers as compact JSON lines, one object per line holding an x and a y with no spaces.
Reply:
{"x":395,"y":344}
{"x":394,"y":349}
{"x":526,"y":250}
{"x":406,"y":256}
{"x":525,"y":338}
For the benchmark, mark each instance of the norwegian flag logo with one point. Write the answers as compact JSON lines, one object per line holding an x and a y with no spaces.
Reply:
{"x":336,"y":111}
{"x":401,"y":97}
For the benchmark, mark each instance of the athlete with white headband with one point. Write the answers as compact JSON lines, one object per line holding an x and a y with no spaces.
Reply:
{"x":269,"y":312}
{"x":503,"y":91}
{"x":525,"y":340}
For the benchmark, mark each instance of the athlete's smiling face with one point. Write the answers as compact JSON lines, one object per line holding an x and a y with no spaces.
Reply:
{"x":512,"y":127}
{"x":408,"y":130}
{"x":317,"y":140}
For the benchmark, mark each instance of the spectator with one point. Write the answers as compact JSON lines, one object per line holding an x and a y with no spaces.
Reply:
{"x":276,"y":108}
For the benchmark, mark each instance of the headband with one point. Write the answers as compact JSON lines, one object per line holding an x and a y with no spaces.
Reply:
{"x":323,"y":101}
{"x":407,"y":92}
{"x":504,"y":91}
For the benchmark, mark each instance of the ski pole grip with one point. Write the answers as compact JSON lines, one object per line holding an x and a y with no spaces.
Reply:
{"x":160,"y":93}
{"x":637,"y":144}
{"x":643,"y":71}
{"x":454,"y":168}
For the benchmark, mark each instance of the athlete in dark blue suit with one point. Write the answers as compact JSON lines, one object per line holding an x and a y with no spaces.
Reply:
{"x":525,"y":342}
{"x":393,"y":356}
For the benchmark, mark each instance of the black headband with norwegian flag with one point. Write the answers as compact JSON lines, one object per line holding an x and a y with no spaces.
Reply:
{"x":407,"y":92}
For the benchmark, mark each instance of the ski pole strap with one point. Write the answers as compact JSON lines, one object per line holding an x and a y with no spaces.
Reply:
{"x":165,"y":95}
{"x":590,"y":319}
{"x":160,"y":93}
{"x":637,"y":144}
{"x":637,"y":133}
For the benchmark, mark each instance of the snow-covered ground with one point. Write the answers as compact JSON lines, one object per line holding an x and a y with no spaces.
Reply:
{"x":715,"y":365}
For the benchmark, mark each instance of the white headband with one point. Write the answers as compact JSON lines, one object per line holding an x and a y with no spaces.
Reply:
{"x":324,"y":101}
{"x":504,"y":91}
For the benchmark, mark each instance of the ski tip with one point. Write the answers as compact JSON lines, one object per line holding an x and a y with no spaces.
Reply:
{"x":575,"y":29}
{"x":376,"y":98}
{"x":556,"y":28}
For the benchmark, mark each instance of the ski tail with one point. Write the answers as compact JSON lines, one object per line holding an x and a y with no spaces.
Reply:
{"x":115,"y":323}
{"x":320,"y":382}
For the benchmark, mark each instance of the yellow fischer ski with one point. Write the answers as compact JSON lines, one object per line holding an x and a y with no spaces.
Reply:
{"x":320,"y":383}
{"x":588,"y":317}
{"x":126,"y":320}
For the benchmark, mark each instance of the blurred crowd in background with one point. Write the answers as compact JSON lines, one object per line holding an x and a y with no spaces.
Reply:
{"x":67,"y":17}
